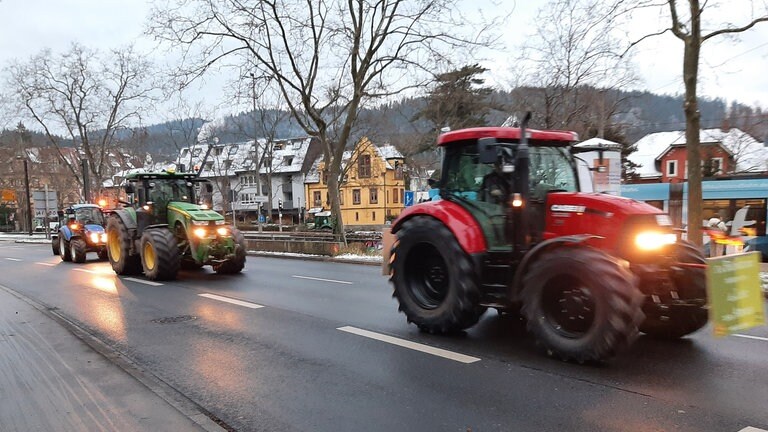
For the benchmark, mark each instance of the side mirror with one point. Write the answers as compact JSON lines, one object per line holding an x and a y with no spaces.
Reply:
{"x":129,"y":189}
{"x":486,"y":149}
{"x":431,"y":182}
{"x":60,"y":213}
{"x":208,"y":187}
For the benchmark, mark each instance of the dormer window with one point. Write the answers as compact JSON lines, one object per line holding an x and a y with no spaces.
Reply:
{"x":671,"y":168}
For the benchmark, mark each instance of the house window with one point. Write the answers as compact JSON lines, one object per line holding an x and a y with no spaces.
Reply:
{"x":233,"y":150}
{"x":217,"y":151}
{"x":341,"y":197}
{"x":355,"y":196}
{"x":325,"y":176}
{"x":374,"y":193}
{"x":716,"y":166}
{"x":671,"y":168}
{"x":394,"y":196}
{"x":316,"y":199}
{"x":288,"y":160}
{"x":357,"y":216}
{"x":402,"y":196}
{"x":364,"y":166}
{"x":398,"y":170}
{"x":373,"y":217}
{"x":227,"y":164}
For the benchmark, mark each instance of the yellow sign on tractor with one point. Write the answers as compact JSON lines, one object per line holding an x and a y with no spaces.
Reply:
{"x":734,"y":291}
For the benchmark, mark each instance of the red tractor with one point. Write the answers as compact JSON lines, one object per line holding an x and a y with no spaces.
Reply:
{"x":511,"y":231}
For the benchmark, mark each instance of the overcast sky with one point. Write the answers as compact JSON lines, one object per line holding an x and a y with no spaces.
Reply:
{"x":730,"y":69}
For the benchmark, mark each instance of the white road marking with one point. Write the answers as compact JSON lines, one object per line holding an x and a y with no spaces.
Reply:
{"x":751,"y":337}
{"x":323,"y":280}
{"x":13,"y":259}
{"x":231,"y":300}
{"x":46,"y":264}
{"x":752,"y":429}
{"x":411,"y":345}
{"x":145,"y":282}
{"x":84,"y":270}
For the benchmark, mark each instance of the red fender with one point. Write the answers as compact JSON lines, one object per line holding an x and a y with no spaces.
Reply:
{"x":461,"y":223}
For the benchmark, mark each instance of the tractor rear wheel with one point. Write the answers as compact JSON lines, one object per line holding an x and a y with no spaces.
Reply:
{"x":160,"y":255}
{"x":434,"y":279}
{"x":581,"y":304}
{"x":676,"y":321}
{"x":55,"y":245}
{"x":64,"y":249}
{"x":236,"y":264}
{"x":77,"y":250}
{"x":119,"y":248}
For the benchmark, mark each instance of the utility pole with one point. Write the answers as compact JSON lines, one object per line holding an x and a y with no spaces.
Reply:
{"x":29,"y":201}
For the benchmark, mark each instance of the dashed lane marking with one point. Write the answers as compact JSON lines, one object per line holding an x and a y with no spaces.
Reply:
{"x":411,"y":345}
{"x":84,"y":270}
{"x":231,"y":300}
{"x":13,"y":259}
{"x":323,"y":280}
{"x":751,"y":337}
{"x":142,"y":281}
{"x":46,"y":264}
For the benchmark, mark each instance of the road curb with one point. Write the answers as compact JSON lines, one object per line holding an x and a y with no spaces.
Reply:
{"x":156,"y":385}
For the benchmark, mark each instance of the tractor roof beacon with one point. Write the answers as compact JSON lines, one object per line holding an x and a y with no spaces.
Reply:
{"x":512,"y":231}
{"x":162,"y":228}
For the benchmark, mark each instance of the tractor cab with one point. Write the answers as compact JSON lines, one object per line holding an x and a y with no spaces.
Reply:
{"x":151,"y":193}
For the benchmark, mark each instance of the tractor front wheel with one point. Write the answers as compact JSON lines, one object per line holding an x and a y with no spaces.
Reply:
{"x":581,"y":305}
{"x":55,"y":245}
{"x":64,"y":249}
{"x":119,"y":248}
{"x":236,"y":264}
{"x":160,"y":255}
{"x":77,"y":250}
{"x":434,"y":279}
{"x":677,"y":320}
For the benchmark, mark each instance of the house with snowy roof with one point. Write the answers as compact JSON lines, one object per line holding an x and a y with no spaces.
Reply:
{"x":662,"y":156}
{"x":255,"y":177}
{"x":372,"y":190}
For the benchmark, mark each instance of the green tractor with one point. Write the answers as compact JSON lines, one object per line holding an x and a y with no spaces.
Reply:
{"x":162,"y":229}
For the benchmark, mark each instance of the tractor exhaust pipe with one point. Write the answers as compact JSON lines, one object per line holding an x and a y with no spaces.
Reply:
{"x":522,"y":170}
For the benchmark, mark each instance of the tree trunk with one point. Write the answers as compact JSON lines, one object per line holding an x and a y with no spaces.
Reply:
{"x":693,"y":126}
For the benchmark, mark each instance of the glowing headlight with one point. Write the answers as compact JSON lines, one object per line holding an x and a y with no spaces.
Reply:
{"x":199,"y":222}
{"x":222,"y":231}
{"x":221,"y":222}
{"x":200,"y":232}
{"x":651,"y":240}
{"x":94,"y":237}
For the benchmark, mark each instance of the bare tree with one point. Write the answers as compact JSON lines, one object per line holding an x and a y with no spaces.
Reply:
{"x":572,"y":63}
{"x":688,"y":25}
{"x":90,"y":98}
{"x":329,"y":58}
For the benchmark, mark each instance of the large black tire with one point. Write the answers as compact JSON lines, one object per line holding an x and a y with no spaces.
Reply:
{"x":55,"y":245}
{"x":160,"y":256}
{"x":237,"y":264}
{"x":676,"y":321}
{"x":64,"y":252}
{"x":77,"y":250}
{"x":581,"y":304}
{"x":434,"y":279}
{"x":119,"y":247}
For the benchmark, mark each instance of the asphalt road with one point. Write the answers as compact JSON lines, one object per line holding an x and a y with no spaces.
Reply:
{"x":308,"y":346}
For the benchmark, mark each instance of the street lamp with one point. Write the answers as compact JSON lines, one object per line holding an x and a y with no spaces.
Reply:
{"x":26,"y":188}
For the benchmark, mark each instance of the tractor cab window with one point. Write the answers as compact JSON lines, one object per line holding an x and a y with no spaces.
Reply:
{"x":170,"y":190}
{"x":463,"y":172}
{"x":550,"y":170}
{"x":89,"y":215}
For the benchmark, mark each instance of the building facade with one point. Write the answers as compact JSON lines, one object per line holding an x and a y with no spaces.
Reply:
{"x":372,"y":191}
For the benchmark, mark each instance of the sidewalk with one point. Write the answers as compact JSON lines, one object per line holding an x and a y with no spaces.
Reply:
{"x":51,"y":380}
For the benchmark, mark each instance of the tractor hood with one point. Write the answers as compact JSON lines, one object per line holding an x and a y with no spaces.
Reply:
{"x":94,"y":228}
{"x":194,"y":211}
{"x":573,"y":202}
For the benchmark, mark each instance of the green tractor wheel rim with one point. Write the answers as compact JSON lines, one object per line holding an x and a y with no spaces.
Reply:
{"x":149,"y":256}
{"x":114,"y":247}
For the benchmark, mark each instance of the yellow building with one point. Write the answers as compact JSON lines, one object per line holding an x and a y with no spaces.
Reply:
{"x":373,"y":189}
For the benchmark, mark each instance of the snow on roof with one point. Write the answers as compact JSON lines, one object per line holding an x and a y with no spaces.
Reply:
{"x":231,"y":159}
{"x":750,"y":155}
{"x":597,"y":143}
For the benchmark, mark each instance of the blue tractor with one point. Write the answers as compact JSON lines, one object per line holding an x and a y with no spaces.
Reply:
{"x":81,"y":231}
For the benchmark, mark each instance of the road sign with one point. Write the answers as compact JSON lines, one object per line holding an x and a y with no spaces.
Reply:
{"x":38,"y":200}
{"x":408,"y":198}
{"x":735,"y":296}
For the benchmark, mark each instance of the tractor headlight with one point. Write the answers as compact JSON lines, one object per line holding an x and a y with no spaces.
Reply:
{"x":200,"y":232}
{"x":654,"y":240}
{"x":221,"y":222}
{"x":199,"y":222}
{"x":103,"y":237}
{"x":222,"y":231}
{"x":94,"y":237}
